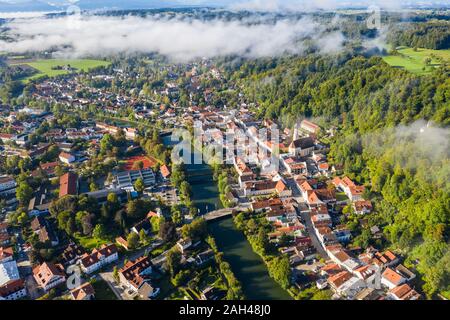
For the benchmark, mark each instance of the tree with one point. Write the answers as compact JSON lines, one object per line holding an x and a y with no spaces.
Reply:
{"x":116,"y":274}
{"x":155,"y":222}
{"x":106,"y":144}
{"x":133,"y":240}
{"x":196,"y":230}
{"x":167,"y":231}
{"x":138,"y":165}
{"x":99,"y":231}
{"x":139,"y":185}
{"x":93,"y":186}
{"x":177,"y":217}
{"x":143,"y":237}
{"x":136,"y":209}
{"x":263,"y":240}
{"x":24,"y":193}
{"x":280,"y":270}
{"x":173,"y":261}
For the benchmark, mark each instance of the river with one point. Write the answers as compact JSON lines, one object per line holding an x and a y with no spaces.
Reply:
{"x":245,"y":263}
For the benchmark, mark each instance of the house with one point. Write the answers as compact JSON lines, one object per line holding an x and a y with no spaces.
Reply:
{"x":295,"y":168}
{"x":204,"y":257}
{"x":405,"y":272}
{"x":66,"y":158}
{"x":282,"y":190}
{"x":146,"y":291}
{"x":353,"y":192}
{"x":6,"y":254}
{"x":343,"y":236}
{"x":152,"y":214}
{"x":391,"y":279}
{"x":165,"y":172}
{"x":13,"y":290}
{"x":184,"y":244}
{"x":403,"y":292}
{"x":386,"y":258}
{"x":40,"y":203}
{"x":343,"y":259}
{"x":242,"y":169}
{"x":49,"y":168}
{"x":135,"y":276}
{"x":142,"y":225}
{"x":84,"y":292}
{"x":134,"y":273}
{"x":44,"y":230}
{"x":368,"y":294}
{"x":49,"y":275}
{"x":7,"y":186}
{"x":309,"y":127}
{"x":68,"y":184}
{"x":302,"y":147}
{"x":8,"y":272}
{"x":362,"y":207}
{"x":351,"y":287}
{"x":259,"y":188}
{"x":72,"y":254}
{"x":99,"y":258}
{"x":130,"y":133}
{"x":330,"y":269}
{"x":337,"y":280}
{"x":212,"y":293}
{"x":366,"y":272}
{"x":122,"y":242}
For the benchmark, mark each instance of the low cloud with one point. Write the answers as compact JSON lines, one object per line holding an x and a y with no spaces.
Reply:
{"x":420,"y":142}
{"x":178,"y":38}
{"x":308,"y":5}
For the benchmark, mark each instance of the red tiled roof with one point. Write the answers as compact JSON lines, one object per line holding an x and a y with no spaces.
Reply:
{"x":68,"y":184}
{"x":83,"y":291}
{"x":94,"y":257}
{"x":392,"y":276}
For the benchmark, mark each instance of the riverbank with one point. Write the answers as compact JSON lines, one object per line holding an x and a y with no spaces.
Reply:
{"x":248,"y":267}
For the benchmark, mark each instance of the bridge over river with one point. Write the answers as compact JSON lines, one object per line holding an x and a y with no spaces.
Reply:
{"x":217,"y":214}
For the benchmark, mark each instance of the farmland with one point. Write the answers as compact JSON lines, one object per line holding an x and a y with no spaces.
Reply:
{"x":414,"y":61}
{"x":48,"y":67}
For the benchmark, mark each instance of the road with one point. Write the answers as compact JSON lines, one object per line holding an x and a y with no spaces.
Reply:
{"x":312,"y":234}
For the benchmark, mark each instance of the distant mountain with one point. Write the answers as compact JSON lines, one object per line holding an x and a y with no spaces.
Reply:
{"x":51,"y":5}
{"x":27,"y":5}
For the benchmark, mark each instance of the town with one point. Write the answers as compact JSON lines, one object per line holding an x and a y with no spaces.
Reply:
{"x":93,"y":205}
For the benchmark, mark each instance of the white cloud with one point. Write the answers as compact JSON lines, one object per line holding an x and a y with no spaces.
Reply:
{"x":178,"y":38}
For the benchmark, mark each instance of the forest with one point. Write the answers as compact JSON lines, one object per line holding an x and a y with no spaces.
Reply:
{"x":431,"y":35}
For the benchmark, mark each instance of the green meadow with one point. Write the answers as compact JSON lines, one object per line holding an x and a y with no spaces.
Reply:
{"x":414,"y":61}
{"x":45,"y":66}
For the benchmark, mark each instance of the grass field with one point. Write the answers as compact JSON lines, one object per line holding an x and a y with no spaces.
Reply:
{"x":44,"y":67}
{"x":90,"y":243}
{"x":413,"y":61}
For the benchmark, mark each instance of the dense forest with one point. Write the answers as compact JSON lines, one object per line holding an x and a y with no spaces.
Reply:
{"x":380,"y":142}
{"x":431,"y":35}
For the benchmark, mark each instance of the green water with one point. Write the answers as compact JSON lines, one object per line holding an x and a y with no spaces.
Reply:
{"x":246,"y":265}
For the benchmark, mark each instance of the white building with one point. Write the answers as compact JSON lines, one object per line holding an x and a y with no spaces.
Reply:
{"x":99,"y":258}
{"x":49,"y":275}
{"x":7,"y":186}
{"x":66,"y":158}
